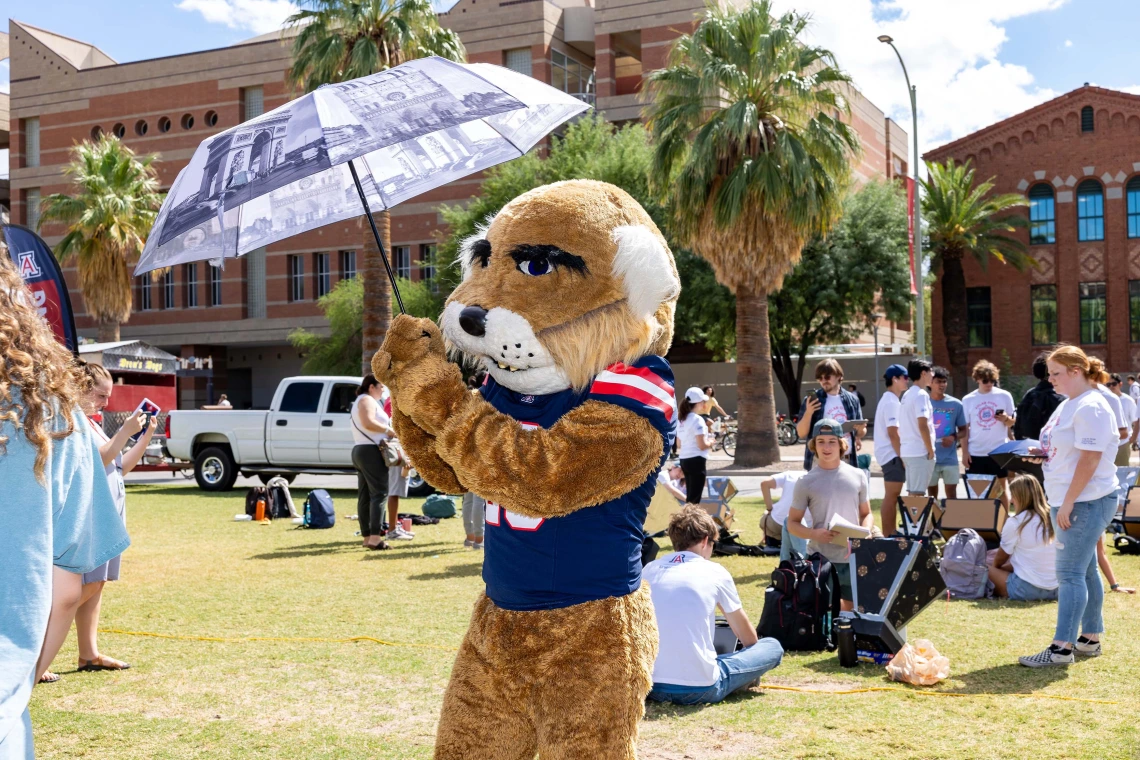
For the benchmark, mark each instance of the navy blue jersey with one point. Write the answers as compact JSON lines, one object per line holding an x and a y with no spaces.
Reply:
{"x":595,"y":552}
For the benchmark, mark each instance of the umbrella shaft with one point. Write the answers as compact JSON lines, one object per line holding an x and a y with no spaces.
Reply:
{"x":376,"y":234}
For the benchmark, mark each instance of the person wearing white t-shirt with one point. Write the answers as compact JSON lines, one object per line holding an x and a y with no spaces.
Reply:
{"x":916,"y":429}
{"x":888,"y":445}
{"x":1128,"y":414}
{"x":1025,"y":566}
{"x":686,"y":588}
{"x":1134,"y":389}
{"x":990,"y":413}
{"x":785,"y":483}
{"x":1078,"y":449}
{"x":673,"y":479}
{"x":693,"y":442}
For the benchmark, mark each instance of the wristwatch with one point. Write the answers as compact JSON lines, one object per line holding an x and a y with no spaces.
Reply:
{"x":1114,"y":586}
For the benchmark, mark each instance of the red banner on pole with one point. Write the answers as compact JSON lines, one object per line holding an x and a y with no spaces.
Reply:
{"x":910,"y":201}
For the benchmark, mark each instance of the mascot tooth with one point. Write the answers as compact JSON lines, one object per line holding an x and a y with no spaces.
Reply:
{"x":567,"y":300}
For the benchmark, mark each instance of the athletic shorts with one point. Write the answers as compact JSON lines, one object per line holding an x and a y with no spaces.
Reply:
{"x":894,"y":472}
{"x":986,"y":466}
{"x":947,"y":472}
{"x":918,"y":470}
{"x":842,"y":572}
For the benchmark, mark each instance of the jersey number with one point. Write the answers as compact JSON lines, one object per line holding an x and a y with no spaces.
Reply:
{"x":514,"y":520}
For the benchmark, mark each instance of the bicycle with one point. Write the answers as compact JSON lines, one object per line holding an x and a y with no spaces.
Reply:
{"x":724,"y":435}
{"x":786,"y":433}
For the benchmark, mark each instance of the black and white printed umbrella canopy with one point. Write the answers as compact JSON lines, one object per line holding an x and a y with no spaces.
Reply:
{"x":385,"y":137}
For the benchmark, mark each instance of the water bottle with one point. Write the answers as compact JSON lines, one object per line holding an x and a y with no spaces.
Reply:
{"x":845,"y":638}
{"x":260,"y":511}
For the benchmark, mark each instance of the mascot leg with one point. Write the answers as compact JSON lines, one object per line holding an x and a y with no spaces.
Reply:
{"x":484,"y":712}
{"x":590,"y":695}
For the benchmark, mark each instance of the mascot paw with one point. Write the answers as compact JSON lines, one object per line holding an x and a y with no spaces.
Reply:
{"x":408,"y":340}
{"x":413,"y":363}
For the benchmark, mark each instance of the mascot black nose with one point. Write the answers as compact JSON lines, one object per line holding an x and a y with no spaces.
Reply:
{"x":473,"y":320}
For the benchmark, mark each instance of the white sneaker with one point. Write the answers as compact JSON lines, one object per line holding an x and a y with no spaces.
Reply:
{"x":399,"y":534}
{"x":1048,"y":657}
{"x":1087,"y":648}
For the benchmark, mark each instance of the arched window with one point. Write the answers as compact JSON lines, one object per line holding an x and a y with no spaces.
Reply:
{"x":1087,"y":122}
{"x":1090,"y":211}
{"x":1042,"y":217}
{"x":1134,"y":207}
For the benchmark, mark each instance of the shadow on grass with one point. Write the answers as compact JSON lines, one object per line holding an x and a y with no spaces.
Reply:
{"x":1009,"y":678}
{"x":312,"y":550}
{"x":398,"y":552}
{"x":456,"y":571}
{"x":667,"y":710}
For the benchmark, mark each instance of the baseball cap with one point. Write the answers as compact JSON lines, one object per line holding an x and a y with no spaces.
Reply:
{"x":893,"y":371}
{"x":695,"y":395}
{"x":827,"y":427}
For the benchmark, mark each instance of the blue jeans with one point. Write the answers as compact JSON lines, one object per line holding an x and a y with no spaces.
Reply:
{"x":1080,"y":595}
{"x":1020,"y":590}
{"x":737,"y":671}
{"x":790,"y":543}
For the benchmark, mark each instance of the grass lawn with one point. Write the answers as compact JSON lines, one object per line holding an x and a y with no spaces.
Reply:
{"x":194,"y":572}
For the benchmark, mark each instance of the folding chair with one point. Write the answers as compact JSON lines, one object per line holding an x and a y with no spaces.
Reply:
{"x":986,"y":516}
{"x":911,"y":509}
{"x":979,"y":486}
{"x":1126,"y":525}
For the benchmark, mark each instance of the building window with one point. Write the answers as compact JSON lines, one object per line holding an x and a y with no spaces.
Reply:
{"x":1090,"y":211}
{"x":32,"y":142}
{"x":1042,"y":217}
{"x":1043,"y":306}
{"x":190,"y":275}
{"x":168,"y":289}
{"x":978,"y":317}
{"x":1087,"y":123}
{"x":572,"y":77}
{"x":215,"y":275}
{"x":32,"y":207}
{"x":402,"y":255}
{"x":348,"y":265}
{"x":145,"y":301}
{"x":427,"y":264}
{"x":254,"y":102}
{"x":296,"y":278}
{"x":323,"y":274}
{"x":1134,"y":310}
{"x":518,"y":60}
{"x":1134,"y":207}
{"x":1093,"y":313}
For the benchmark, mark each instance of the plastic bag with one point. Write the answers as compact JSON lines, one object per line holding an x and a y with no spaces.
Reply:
{"x":919,"y":664}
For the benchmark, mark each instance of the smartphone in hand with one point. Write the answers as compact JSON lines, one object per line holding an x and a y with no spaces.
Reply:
{"x":150,"y":409}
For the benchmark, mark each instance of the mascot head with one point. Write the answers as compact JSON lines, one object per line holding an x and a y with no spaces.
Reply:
{"x":564,"y":281}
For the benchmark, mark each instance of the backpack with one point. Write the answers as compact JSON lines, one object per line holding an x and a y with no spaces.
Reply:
{"x":797,"y":609}
{"x":963,"y":565}
{"x":438,"y":505}
{"x":251,"y":497}
{"x":280,"y":500}
{"x":319,"y":509}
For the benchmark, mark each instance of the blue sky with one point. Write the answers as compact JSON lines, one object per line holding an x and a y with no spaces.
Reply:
{"x":974,"y":61}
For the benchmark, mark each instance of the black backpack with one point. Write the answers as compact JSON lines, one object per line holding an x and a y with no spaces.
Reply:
{"x":251,"y":497}
{"x":797,"y":610}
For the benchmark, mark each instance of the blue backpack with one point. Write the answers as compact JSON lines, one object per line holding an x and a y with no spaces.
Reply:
{"x":319,"y":509}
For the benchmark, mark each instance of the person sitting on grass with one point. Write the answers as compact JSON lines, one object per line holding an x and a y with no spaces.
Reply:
{"x":686,"y":589}
{"x":1025,"y":566}
{"x":831,"y":488}
{"x":672,"y":479}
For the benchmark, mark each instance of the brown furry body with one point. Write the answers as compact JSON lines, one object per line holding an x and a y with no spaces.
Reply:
{"x":568,"y":682}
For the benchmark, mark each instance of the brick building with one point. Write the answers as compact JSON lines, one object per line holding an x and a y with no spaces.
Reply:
{"x":1077,"y":161}
{"x":65,"y":90}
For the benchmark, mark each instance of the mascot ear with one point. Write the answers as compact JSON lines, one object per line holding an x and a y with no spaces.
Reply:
{"x":643,"y":266}
{"x":467,"y":255}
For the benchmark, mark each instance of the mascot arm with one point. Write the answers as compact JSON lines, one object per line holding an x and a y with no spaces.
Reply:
{"x":420,"y":448}
{"x":593,"y":454}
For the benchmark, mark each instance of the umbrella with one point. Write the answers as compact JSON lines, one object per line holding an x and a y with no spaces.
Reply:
{"x":349,"y":148}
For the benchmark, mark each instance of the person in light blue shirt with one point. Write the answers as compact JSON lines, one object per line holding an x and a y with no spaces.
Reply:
{"x":949,"y":424}
{"x":57,"y":518}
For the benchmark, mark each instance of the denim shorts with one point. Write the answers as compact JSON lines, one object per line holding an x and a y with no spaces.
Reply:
{"x":1021,"y":590}
{"x":947,"y":472}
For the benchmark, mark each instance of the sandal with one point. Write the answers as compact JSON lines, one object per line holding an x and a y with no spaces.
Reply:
{"x":380,"y":547}
{"x":101,"y":662}
{"x":49,"y":677}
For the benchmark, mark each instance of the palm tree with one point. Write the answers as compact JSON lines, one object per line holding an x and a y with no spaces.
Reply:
{"x":339,"y":40}
{"x":108,"y":220}
{"x":753,"y":158}
{"x":962,"y":218}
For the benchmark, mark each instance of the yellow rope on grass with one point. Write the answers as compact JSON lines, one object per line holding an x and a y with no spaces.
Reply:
{"x":931,"y":693}
{"x":242,"y":639}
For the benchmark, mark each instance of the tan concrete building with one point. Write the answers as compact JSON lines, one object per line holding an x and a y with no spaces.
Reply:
{"x":64,"y":90}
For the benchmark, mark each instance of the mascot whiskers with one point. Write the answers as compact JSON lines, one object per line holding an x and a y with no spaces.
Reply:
{"x":567,"y":300}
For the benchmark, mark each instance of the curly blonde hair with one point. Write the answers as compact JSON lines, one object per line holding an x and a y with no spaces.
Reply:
{"x":34,"y":365}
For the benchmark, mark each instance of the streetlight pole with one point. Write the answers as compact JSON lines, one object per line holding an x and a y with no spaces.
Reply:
{"x":875,"y":330}
{"x":920,"y":300}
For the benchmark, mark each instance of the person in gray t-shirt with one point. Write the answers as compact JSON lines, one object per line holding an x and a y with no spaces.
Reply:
{"x":832,"y":487}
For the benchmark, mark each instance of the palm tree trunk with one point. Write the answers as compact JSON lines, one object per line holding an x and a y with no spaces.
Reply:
{"x":108,"y":331}
{"x":756,"y":443}
{"x":954,"y":326}
{"x":377,"y":294}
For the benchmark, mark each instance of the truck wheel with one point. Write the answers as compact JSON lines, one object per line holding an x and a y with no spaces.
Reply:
{"x":265,"y":477}
{"x":214,"y":469}
{"x":418,"y":488}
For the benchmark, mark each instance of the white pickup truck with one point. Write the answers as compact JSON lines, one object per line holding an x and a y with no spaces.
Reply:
{"x":307,"y":429}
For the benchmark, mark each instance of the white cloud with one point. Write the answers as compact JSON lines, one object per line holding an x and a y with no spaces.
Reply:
{"x":1068,"y":43}
{"x":952,"y":52}
{"x":258,"y":16}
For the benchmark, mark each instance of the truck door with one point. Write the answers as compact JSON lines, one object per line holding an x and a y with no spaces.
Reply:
{"x":292,"y":435}
{"x":336,"y":426}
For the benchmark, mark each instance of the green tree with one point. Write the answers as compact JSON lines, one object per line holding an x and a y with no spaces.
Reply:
{"x":841,"y":280}
{"x":108,"y":216}
{"x":753,"y":157}
{"x":343,"y":307}
{"x":962,"y":218}
{"x":340,"y":40}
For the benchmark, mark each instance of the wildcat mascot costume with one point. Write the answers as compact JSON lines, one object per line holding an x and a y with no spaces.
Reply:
{"x":567,"y":300}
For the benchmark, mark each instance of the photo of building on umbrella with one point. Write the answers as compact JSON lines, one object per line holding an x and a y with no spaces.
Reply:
{"x":380,"y":139}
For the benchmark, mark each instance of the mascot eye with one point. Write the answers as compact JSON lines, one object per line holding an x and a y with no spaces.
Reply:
{"x":535,"y":267}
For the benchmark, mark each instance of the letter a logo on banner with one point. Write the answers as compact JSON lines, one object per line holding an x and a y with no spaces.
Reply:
{"x":28,"y":268}
{"x":41,"y":273}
